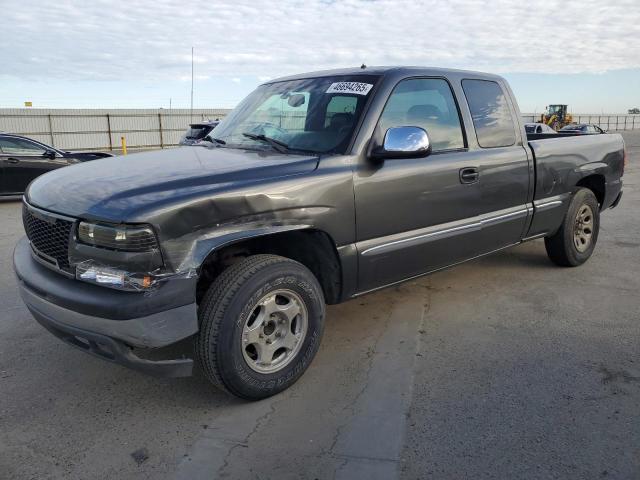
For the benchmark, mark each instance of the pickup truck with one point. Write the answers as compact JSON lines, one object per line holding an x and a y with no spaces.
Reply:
{"x":316,"y":189}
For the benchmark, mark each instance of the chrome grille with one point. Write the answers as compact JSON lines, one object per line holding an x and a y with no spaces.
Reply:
{"x":49,"y":236}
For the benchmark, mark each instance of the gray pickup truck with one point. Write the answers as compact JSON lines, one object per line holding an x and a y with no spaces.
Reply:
{"x":316,"y":189}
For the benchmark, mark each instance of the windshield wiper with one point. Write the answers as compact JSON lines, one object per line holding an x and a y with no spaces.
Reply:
{"x":214,"y":140}
{"x":277,"y":144}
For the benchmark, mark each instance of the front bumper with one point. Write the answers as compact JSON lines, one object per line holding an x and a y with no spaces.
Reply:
{"x":106,"y":322}
{"x":113,"y":350}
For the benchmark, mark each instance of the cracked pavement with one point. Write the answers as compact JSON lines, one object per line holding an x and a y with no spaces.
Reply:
{"x":504,"y":367}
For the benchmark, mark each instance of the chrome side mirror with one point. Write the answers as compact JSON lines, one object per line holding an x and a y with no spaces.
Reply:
{"x":403,"y":142}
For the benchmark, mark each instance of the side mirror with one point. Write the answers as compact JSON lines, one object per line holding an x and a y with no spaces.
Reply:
{"x":49,"y":154}
{"x":403,"y":142}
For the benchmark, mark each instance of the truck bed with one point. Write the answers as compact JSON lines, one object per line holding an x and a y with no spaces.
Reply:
{"x":563,"y":162}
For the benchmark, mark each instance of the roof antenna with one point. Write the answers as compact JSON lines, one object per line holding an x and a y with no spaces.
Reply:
{"x":363,"y":66}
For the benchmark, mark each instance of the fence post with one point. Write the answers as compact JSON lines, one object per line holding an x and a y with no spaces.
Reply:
{"x":109,"y":132}
{"x":51,"y":130}
{"x":625,"y":122}
{"x":160,"y":125}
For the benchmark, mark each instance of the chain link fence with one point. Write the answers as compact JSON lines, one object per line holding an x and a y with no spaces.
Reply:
{"x":604,"y":121}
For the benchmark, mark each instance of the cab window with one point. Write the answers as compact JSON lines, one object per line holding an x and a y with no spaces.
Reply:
{"x":427,"y":103}
{"x":490,"y":112}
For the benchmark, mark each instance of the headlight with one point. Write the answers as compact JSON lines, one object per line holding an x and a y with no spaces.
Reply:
{"x":128,"y":238}
{"x":114,"y":278}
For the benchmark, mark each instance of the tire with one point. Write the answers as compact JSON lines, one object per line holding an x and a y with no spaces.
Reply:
{"x":572,"y":245}
{"x":252,"y":343}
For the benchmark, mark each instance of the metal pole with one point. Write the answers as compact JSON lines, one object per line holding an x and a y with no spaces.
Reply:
{"x":109,"y":132}
{"x":51,"y":131}
{"x":160,"y":125}
{"x":191,"y":113}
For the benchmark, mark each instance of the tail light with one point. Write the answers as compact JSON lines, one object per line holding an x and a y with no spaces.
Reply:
{"x":625,"y":159}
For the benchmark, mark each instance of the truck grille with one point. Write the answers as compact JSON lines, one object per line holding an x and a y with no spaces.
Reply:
{"x":49,"y":236}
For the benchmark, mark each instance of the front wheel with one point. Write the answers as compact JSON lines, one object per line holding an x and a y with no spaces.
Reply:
{"x":574,"y":242}
{"x":261,"y":322}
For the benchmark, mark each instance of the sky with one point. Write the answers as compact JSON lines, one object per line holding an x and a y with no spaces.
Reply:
{"x":135,"y":54}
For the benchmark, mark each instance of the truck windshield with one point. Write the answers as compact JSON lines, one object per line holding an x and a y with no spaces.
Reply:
{"x":316,"y":115}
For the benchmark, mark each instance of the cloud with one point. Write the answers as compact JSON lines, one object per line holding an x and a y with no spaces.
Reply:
{"x":151,"y":41}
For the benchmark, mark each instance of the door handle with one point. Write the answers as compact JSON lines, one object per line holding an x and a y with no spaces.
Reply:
{"x":13,"y":160}
{"x":469,"y":175}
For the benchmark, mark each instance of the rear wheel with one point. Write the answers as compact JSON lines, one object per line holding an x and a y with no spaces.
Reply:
{"x":574,"y":242}
{"x":260,"y":326}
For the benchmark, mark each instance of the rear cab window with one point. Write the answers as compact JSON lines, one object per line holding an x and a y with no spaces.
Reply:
{"x":340,"y":108}
{"x":490,"y":112}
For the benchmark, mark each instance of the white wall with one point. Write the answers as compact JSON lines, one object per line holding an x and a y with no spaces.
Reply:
{"x":101,"y":129}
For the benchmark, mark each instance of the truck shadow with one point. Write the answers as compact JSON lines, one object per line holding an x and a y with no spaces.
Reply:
{"x":529,"y":255}
{"x":525,"y":256}
{"x":345,"y":323}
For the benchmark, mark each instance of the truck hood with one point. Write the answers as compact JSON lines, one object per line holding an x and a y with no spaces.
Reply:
{"x":120,"y":189}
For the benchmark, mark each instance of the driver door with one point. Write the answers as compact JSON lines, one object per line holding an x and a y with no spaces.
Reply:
{"x":416,"y":215}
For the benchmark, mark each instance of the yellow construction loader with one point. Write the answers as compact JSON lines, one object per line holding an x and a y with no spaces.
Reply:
{"x":556,"y":117}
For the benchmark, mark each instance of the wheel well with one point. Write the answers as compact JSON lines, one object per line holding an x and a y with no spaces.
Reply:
{"x":313,"y":248}
{"x":596,"y":184}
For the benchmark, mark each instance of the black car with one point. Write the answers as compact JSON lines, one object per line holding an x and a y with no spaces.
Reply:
{"x":197,"y":132}
{"x":538,"y":128}
{"x":582,"y":129}
{"x":23,"y":159}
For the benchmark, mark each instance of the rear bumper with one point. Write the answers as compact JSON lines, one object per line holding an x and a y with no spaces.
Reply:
{"x":106,"y":322}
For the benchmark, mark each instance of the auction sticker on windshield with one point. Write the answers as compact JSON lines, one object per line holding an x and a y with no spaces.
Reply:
{"x":350,"y":87}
